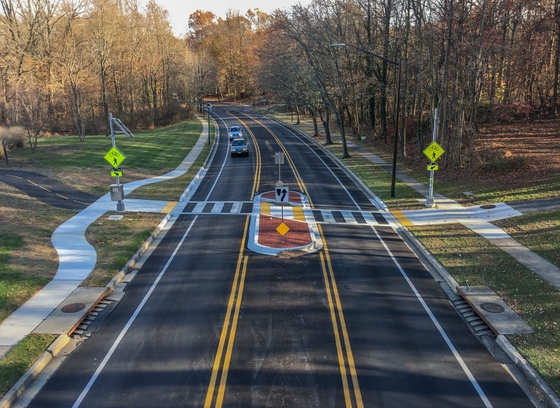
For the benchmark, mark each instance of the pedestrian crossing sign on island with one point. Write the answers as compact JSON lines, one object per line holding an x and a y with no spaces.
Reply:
{"x":433,"y":151}
{"x":114,"y":157}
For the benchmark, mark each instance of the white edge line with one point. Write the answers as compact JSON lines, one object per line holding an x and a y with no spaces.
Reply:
{"x":456,"y":354}
{"x":130,"y":321}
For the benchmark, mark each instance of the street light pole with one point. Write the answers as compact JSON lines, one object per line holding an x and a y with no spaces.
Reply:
{"x":398,"y":108}
{"x":208,"y":111}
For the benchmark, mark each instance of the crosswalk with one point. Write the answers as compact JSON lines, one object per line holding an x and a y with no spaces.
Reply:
{"x":319,"y":216}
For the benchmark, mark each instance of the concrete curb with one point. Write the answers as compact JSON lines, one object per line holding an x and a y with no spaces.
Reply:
{"x":442,"y":272}
{"x":146,"y":244}
{"x":44,"y":359}
{"x":528,"y":370}
{"x":57,"y":345}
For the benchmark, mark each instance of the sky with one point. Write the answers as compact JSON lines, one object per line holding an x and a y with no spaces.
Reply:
{"x":180,"y":10}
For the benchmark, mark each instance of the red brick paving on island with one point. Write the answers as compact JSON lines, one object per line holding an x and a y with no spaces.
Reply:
{"x":297,"y":236}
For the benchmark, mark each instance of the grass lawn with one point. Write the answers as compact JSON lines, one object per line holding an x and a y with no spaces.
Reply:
{"x":20,"y":358}
{"x":27,"y":259}
{"x":471,"y":258}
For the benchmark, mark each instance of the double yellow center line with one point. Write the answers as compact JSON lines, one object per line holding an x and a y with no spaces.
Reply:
{"x":223,"y":355}
{"x":344,"y":353}
{"x":218,"y":379}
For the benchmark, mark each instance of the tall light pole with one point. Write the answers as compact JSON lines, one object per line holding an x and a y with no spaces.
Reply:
{"x":398,"y":108}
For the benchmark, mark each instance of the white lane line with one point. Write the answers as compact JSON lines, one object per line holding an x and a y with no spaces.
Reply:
{"x":131,"y":320}
{"x":458,"y":357}
{"x":327,"y":167}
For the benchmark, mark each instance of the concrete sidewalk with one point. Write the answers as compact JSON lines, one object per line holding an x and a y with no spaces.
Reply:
{"x":476,"y":218}
{"x":77,"y":258}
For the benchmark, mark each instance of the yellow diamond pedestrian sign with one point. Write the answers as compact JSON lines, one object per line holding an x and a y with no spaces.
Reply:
{"x":282,"y":229}
{"x":114,"y":157}
{"x":433,"y":151}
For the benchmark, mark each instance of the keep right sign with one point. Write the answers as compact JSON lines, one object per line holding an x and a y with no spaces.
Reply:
{"x":282,"y":195}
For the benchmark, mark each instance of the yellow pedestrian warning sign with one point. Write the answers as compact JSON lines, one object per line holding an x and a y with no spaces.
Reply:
{"x":114,"y":157}
{"x":433,"y":166}
{"x":433,"y":151}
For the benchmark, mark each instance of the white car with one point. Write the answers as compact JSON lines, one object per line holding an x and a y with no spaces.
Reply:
{"x":235,"y":132}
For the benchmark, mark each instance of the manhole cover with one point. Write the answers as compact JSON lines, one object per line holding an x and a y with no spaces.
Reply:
{"x":73,"y":308}
{"x":492,"y":307}
{"x":487,"y":206}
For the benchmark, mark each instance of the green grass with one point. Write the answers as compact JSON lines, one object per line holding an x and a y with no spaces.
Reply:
{"x":471,"y":259}
{"x":151,"y":150}
{"x":14,"y":287}
{"x":171,"y":190}
{"x":379,"y":181}
{"x":116,"y":241}
{"x":8,"y":242}
{"x":20,"y":358}
{"x":82,"y":165}
{"x":540,"y":232}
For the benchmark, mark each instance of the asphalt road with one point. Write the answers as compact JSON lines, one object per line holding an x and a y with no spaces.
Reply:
{"x":47,"y":190}
{"x":208,"y":323}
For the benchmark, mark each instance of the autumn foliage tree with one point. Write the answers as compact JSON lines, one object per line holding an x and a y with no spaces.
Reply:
{"x":473,"y":61}
{"x":66,"y":65}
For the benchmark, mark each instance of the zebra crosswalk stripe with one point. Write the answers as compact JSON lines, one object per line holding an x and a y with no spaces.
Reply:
{"x":303,"y":214}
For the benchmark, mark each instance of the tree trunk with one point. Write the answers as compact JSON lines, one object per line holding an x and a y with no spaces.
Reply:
{"x":326,"y":125}
{"x":104,"y":96}
{"x":4,"y":148}
{"x":554,"y":103}
{"x":315,"y":126}
{"x":340,"y":121}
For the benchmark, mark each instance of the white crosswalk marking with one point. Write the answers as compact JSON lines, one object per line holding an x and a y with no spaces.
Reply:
{"x":199,"y":207}
{"x":218,"y":207}
{"x":276,"y":211}
{"x":349,"y":217}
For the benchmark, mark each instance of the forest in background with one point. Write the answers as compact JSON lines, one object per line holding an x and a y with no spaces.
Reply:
{"x":64,"y":65}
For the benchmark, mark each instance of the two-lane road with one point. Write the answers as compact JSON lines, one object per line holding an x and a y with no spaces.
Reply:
{"x":356,"y":321}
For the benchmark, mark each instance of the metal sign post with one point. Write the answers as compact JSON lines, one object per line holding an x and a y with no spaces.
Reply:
{"x":209,"y":111}
{"x":279,"y":159}
{"x":432,"y":152}
{"x":115,"y":157}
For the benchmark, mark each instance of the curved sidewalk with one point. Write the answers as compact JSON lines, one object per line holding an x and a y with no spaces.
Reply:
{"x":77,"y":258}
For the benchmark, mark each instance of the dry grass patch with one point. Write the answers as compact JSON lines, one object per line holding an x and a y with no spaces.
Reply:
{"x":34,"y":222}
{"x":115,"y":242}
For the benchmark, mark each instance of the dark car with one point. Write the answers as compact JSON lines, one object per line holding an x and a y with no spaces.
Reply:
{"x":239,"y":147}
{"x":235,"y":132}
